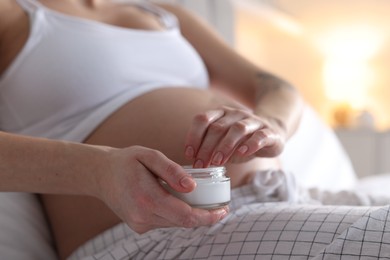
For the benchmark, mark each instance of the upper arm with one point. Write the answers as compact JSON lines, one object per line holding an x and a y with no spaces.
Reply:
{"x":225,"y":66}
{"x":7,"y":11}
{"x":6,"y":8}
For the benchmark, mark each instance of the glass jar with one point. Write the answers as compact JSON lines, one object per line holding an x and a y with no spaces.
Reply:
{"x":212,"y":188}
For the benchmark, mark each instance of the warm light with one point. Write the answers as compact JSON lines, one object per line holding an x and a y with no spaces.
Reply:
{"x":347,"y":81}
{"x":270,"y":13}
{"x":347,"y":73}
{"x":351,"y":43}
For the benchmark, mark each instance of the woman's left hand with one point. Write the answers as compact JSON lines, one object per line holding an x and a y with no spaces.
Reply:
{"x":229,"y":134}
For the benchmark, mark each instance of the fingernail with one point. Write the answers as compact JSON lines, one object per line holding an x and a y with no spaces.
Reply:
{"x":217,"y":159}
{"x":198,"y":164}
{"x":222,"y":213}
{"x":189,"y":152}
{"x":187,"y":182}
{"x":243,"y":149}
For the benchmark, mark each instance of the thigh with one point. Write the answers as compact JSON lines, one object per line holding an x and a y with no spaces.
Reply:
{"x":158,"y":120}
{"x":259,"y":231}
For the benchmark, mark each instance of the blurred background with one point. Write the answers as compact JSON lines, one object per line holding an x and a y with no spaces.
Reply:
{"x":336,"y":52}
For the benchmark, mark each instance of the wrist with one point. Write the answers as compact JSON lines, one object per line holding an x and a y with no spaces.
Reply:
{"x":273,"y":122}
{"x":97,"y":172}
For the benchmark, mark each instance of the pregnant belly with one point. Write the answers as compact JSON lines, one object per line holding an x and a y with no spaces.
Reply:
{"x":161,"y":120}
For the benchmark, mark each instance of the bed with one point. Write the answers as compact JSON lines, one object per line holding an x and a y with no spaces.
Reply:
{"x":320,"y":161}
{"x":281,"y":230}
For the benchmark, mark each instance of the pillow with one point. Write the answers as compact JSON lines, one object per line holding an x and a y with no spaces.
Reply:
{"x":316,"y":157}
{"x":24,"y":233}
{"x":376,"y":185}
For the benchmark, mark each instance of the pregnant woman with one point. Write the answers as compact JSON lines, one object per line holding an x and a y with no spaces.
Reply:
{"x":124,"y":73}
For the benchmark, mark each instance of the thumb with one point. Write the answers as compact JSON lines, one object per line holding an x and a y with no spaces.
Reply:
{"x":169,"y":171}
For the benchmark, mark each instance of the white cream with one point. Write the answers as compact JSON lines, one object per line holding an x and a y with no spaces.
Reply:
{"x":212,"y":188}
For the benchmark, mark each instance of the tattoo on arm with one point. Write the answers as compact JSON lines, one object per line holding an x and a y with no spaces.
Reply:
{"x":269,"y":83}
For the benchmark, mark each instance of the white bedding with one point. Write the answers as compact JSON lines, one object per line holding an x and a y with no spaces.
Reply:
{"x":256,"y":229}
{"x":316,"y":157}
{"x":24,"y":234}
{"x":261,"y":231}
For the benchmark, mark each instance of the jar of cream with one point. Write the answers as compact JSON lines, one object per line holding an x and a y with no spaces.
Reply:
{"x":212,"y":188}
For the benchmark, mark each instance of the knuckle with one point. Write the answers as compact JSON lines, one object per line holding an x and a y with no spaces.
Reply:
{"x":256,"y":140}
{"x":172,"y":170}
{"x":189,"y":220}
{"x":228,"y":109}
{"x":255,"y":143}
{"x":205,"y":151}
{"x":155,"y":153}
{"x":277,"y":151}
{"x":138,"y":219}
{"x":161,"y":199}
{"x":217,"y":128}
{"x":146,"y":154}
{"x":214,"y":218}
{"x":137,"y":148}
{"x":202,"y":118}
{"x":259,"y":136}
{"x":140,"y":228}
{"x":240,"y":128}
{"x":244,"y":111}
{"x":143,"y":203}
{"x":228,"y":145}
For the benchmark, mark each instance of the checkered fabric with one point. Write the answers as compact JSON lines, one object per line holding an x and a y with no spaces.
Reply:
{"x":257,"y":230}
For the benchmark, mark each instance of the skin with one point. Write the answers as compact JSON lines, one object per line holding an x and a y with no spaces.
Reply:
{"x":37,"y":168}
{"x":242,"y":122}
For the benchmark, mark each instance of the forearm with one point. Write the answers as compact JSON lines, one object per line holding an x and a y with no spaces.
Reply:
{"x":277,"y":100}
{"x":268,"y":95}
{"x":46,"y":166}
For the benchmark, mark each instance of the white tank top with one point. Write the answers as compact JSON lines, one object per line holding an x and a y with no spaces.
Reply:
{"x":73,"y":73}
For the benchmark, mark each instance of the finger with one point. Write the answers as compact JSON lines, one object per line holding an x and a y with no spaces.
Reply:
{"x":215,"y":133}
{"x":176,"y":212}
{"x":197,"y":218}
{"x":166,"y":169}
{"x":150,"y":200}
{"x":198,"y":129}
{"x":151,"y":223}
{"x":180,"y":214}
{"x":202,"y":217}
{"x":161,"y":209}
{"x":259,"y":139}
{"x":236,"y":134}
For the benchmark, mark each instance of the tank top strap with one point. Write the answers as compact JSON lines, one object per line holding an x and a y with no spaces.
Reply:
{"x":29,"y":5}
{"x":166,"y":18}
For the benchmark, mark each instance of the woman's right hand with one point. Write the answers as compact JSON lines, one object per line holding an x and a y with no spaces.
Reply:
{"x":231,"y":134}
{"x":130,"y":187}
